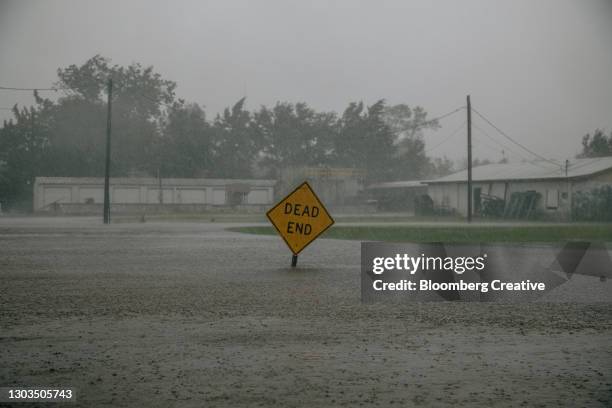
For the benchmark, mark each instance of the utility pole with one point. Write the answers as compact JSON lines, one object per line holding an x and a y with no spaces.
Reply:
{"x":108,"y":152}
{"x":469,"y":160}
{"x":160,"y":194}
{"x":569,"y":191}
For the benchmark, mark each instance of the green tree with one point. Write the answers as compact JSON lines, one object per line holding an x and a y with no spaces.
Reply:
{"x":598,"y":145}
{"x":23,"y":144}
{"x":76,"y":130}
{"x":67,"y":137}
{"x":407,"y":123}
{"x":440,"y":167}
{"x":185,"y":146}
{"x":140,"y":96}
{"x":293,"y":135}
{"x":407,"y":126}
{"x":365,"y":141}
{"x":235,"y":142}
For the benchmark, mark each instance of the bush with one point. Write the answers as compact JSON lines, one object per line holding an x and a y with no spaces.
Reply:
{"x":594,"y":205}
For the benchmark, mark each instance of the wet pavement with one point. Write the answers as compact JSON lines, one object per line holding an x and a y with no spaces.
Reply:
{"x":188,"y":314}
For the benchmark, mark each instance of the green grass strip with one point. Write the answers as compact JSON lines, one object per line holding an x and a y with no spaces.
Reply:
{"x":539,"y":233}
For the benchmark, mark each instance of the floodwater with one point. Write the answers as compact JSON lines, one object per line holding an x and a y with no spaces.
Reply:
{"x":189,"y":315}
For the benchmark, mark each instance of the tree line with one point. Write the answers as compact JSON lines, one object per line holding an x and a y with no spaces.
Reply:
{"x":155,"y":133}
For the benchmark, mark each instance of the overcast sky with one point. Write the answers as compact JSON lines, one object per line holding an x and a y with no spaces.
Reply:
{"x":540,"y":70}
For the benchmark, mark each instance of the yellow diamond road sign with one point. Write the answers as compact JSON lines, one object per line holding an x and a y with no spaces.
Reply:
{"x":300,"y":218}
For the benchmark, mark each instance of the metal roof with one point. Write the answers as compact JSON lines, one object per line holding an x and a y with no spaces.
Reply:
{"x":179,"y":182}
{"x":536,"y":170}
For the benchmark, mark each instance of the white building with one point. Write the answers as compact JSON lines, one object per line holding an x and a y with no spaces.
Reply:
{"x":396,"y":195}
{"x":553,"y":183}
{"x":84,"y":194}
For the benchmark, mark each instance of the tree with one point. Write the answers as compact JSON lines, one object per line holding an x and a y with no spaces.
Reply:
{"x":407,"y":126}
{"x":598,"y":145}
{"x":440,"y":167}
{"x":76,"y":134}
{"x":235,"y":142}
{"x":408,"y":123}
{"x":293,"y":135}
{"x":365,"y":141}
{"x":23,"y":144}
{"x":154,"y":132}
{"x":67,"y":137}
{"x":185,"y":146}
{"x":137,"y":89}
{"x":139,"y":98}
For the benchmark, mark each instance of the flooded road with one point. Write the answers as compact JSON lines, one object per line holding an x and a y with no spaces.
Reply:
{"x":188,"y":314}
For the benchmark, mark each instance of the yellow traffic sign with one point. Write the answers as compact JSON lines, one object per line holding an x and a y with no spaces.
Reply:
{"x":300,"y":218}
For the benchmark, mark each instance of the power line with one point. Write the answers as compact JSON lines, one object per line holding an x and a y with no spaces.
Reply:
{"x":488,"y":146}
{"x":493,"y":139}
{"x":55,"y":89}
{"x":445,"y":115}
{"x":446,"y":139}
{"x":512,"y":150}
{"x":592,"y":161}
{"x":501,"y":132}
{"x":8,"y":88}
{"x":500,"y":144}
{"x":493,"y":149}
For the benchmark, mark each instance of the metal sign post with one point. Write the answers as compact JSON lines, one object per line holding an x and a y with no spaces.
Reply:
{"x":106,"y":209}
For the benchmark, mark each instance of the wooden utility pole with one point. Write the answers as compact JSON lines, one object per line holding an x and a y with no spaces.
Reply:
{"x":160,"y":194}
{"x":569,"y":191}
{"x":106,"y":209}
{"x":469,"y":160}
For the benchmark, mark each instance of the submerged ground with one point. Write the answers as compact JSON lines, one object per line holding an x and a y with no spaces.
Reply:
{"x":189,"y":314}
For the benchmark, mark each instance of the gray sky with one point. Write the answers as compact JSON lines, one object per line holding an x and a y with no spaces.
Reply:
{"x":540,"y":70}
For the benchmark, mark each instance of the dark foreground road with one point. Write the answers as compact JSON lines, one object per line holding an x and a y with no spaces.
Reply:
{"x":189,"y":315}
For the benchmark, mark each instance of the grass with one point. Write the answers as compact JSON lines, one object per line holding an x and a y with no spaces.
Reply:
{"x":420,"y":233}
